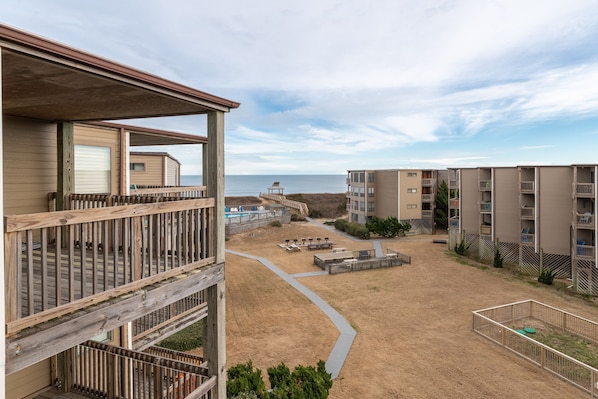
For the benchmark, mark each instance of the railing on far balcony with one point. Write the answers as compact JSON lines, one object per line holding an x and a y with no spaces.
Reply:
{"x":584,"y":189}
{"x":486,"y":229}
{"x":110,"y":372}
{"x":585,"y":251}
{"x":527,"y":239}
{"x":585,"y":220}
{"x":427,"y":197}
{"x":528,"y":212}
{"x":170,"y":191}
{"x":527,"y":187}
{"x":56,"y":262}
{"x":454,"y":223}
{"x":485,"y":185}
{"x":486,"y":207}
{"x":454,"y":203}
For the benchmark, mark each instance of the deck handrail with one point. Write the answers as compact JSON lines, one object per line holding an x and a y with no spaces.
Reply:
{"x":99,"y":369}
{"x":58,"y":261}
{"x":179,"y":191}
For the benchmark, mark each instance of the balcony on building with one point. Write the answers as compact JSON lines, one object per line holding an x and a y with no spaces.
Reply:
{"x":486,"y":207}
{"x":454,"y":222}
{"x":454,"y":203}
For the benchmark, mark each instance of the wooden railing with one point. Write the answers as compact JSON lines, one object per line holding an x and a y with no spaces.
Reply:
{"x":110,"y":372}
{"x":171,"y":191}
{"x":527,"y":239}
{"x":454,"y":203}
{"x":57,"y":262}
{"x":584,"y":189}
{"x":300,"y":207}
{"x":176,"y":355}
{"x":454,"y":222}
{"x":492,"y":323}
{"x":485,"y":185}
{"x":168,"y":314}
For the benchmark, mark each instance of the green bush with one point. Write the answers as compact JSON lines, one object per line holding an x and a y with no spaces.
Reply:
{"x":358,"y":230}
{"x":546,"y":276}
{"x":341,"y":224}
{"x":186,"y":339}
{"x":461,"y":248}
{"x":388,"y":228}
{"x":276,"y":223}
{"x":244,"y":380}
{"x":303,"y":383}
{"x":498,"y":259}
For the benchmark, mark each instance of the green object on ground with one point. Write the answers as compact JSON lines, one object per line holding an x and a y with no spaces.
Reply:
{"x":522,"y":332}
{"x":529,"y":330}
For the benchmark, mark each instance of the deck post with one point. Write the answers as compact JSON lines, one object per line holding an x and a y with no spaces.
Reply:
{"x":2,"y":260}
{"x":215,"y":348}
{"x":66,"y":162}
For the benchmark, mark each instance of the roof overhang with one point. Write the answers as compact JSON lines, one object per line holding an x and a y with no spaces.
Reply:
{"x":46,"y":80}
{"x":143,"y":136}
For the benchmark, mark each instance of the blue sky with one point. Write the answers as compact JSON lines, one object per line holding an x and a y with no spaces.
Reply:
{"x":327,"y":86}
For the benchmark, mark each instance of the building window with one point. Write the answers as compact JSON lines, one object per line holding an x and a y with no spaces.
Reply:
{"x":411,"y":206}
{"x":361,"y":191}
{"x":371,"y":206}
{"x":137,"y":166}
{"x":370,"y":191}
{"x":412,"y":190}
{"x":362,"y":206}
{"x":92,"y":169}
{"x":411,"y":174}
{"x":362,"y":177}
{"x":370,"y":177}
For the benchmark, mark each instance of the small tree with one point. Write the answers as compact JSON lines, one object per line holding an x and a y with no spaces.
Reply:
{"x":498,"y":259}
{"x":441,"y":210}
{"x":243,"y":379}
{"x":461,"y":248}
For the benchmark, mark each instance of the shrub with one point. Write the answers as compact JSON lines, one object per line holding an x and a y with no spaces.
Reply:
{"x":358,"y":230}
{"x":498,"y":259}
{"x":461,"y":248}
{"x":388,"y":228}
{"x":276,"y":223}
{"x":186,"y":339}
{"x":244,"y":380}
{"x":303,"y":383}
{"x":340,"y":224}
{"x":546,"y":276}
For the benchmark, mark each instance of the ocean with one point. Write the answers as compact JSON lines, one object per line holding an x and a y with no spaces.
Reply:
{"x":253,"y":185}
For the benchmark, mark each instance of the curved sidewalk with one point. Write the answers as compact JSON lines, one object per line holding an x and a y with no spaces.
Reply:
{"x":339,"y":353}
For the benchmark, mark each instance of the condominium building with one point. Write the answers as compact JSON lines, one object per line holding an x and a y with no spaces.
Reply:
{"x":91,"y":277}
{"x":539,"y":217}
{"x":407,"y":194}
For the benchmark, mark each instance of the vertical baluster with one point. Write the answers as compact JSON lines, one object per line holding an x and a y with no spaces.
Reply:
{"x":58,"y":265}
{"x":44,"y":266}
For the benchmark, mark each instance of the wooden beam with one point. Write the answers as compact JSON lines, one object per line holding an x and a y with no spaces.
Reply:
{"x":66,"y":162}
{"x":27,"y":348}
{"x":2,"y":260}
{"x":124,"y":162}
{"x":215,"y":346}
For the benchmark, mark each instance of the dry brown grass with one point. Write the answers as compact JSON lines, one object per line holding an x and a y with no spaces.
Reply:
{"x":414,"y":336}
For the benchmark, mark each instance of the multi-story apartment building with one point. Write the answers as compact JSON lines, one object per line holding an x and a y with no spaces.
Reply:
{"x":407,"y":194}
{"x":88,"y":283}
{"x":528,"y":214}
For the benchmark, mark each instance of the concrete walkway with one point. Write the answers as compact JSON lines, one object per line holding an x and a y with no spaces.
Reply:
{"x":339,"y":353}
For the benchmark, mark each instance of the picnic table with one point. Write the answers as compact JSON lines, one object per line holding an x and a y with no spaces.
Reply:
{"x":320,"y":245}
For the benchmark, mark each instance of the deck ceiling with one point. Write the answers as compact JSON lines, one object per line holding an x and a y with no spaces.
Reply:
{"x":56,"y":90}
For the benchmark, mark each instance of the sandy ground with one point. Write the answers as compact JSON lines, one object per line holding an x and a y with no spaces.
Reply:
{"x":413,"y":322}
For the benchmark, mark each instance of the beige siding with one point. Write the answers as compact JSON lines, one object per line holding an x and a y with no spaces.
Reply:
{"x":555,"y":209}
{"x":411,"y":202}
{"x":172,"y":172}
{"x":506,"y":204}
{"x":28,"y":381}
{"x":387,"y":189}
{"x":102,"y":137}
{"x":154,"y":170}
{"x":469,"y":194}
{"x":29,"y":165}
